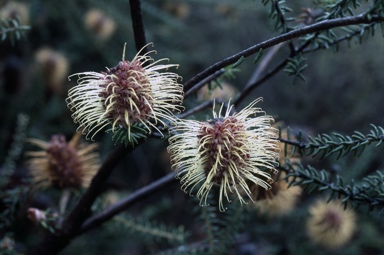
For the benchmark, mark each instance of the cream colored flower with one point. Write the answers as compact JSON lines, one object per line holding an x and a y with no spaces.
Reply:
{"x":277,"y":201}
{"x":230,"y":151}
{"x":62,"y":164}
{"x":15,"y":10}
{"x":99,"y":23}
{"x":329,"y":224}
{"x":54,"y":66}
{"x":133,"y":92}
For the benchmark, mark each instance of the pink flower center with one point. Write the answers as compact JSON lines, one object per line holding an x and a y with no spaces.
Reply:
{"x":128,"y":94}
{"x":64,"y":165}
{"x":221,"y":140}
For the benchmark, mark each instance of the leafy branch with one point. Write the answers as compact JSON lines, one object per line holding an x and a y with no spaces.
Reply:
{"x":326,"y":145}
{"x":153,"y":230}
{"x":320,"y":26}
{"x":370,"y":191}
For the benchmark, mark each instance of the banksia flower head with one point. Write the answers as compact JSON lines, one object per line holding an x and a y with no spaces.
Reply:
{"x":54,"y":66}
{"x":99,"y":23}
{"x":133,"y":92}
{"x":62,"y":164}
{"x":329,"y":224}
{"x":230,"y":151}
{"x":279,"y":200}
{"x":15,"y":10}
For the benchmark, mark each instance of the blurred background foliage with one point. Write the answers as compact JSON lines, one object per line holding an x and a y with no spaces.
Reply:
{"x":342,"y":92}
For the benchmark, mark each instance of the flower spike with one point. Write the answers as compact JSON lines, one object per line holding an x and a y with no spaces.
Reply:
{"x":131,"y":93}
{"x":230,"y":151}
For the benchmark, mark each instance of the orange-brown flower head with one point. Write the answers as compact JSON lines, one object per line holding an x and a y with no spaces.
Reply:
{"x":228,"y":151}
{"x":15,"y":10}
{"x":329,"y":224}
{"x":133,"y":92}
{"x":63,"y":165}
{"x":99,"y":23}
{"x":54,"y":66}
{"x":279,"y":200}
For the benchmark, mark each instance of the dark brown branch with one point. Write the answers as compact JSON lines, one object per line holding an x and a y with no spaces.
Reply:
{"x":320,"y":26}
{"x":138,"y":25}
{"x":201,"y":107}
{"x":203,"y":82}
{"x":125,"y":203}
{"x":54,"y":243}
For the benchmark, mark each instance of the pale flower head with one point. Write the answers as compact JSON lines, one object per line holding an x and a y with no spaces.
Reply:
{"x":330,"y":224}
{"x":62,"y":164}
{"x":280,"y":200}
{"x":54,"y":66}
{"x":15,"y":10}
{"x":133,"y":92}
{"x":99,"y":23}
{"x":232,"y":152}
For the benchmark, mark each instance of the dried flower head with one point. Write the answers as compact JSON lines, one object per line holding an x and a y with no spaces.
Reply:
{"x":230,"y":151}
{"x":63,"y":164}
{"x":277,"y":201}
{"x":15,"y":10}
{"x":99,"y":23}
{"x":54,"y":66}
{"x":133,"y":92}
{"x":329,"y":224}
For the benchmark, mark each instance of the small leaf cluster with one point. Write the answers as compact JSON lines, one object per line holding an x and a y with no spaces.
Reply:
{"x":278,"y":10}
{"x":295,"y":67}
{"x":338,"y":9}
{"x":127,"y":136}
{"x":12,"y":29}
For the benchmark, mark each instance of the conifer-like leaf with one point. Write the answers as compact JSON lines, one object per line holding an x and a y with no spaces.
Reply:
{"x":12,"y":29}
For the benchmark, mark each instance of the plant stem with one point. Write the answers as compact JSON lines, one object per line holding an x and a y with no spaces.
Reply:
{"x":320,"y":26}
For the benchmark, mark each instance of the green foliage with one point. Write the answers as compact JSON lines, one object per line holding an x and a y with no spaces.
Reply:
{"x":127,"y":136}
{"x":325,"y":145}
{"x":153,"y":231}
{"x":278,"y":13}
{"x":369,"y":192}
{"x":15,"y":150}
{"x":295,"y":67}
{"x":10,"y":202}
{"x":220,"y":228}
{"x":12,"y":29}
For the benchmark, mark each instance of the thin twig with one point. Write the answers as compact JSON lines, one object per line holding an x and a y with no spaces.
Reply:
{"x":320,"y":26}
{"x":125,"y":203}
{"x":204,"y":81}
{"x":200,"y":107}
